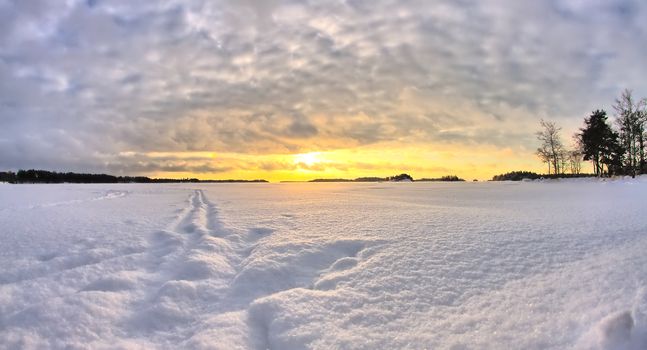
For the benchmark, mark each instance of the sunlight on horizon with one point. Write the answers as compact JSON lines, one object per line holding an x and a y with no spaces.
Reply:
{"x":308,"y":159}
{"x":378,"y":160}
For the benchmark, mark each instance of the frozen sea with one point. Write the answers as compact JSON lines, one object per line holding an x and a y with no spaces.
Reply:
{"x":525,"y":265}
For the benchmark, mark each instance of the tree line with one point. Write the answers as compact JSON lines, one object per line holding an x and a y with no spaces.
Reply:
{"x":613,"y":148}
{"x":44,"y":176}
{"x":523,"y":175}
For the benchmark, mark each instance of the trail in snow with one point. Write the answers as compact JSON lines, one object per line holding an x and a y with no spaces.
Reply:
{"x":203,"y":274}
{"x":187,"y":284}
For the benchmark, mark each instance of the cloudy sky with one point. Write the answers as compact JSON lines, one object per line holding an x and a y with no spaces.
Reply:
{"x":306,"y":89}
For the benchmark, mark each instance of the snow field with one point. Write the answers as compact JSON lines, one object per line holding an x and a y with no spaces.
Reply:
{"x":559,"y":264}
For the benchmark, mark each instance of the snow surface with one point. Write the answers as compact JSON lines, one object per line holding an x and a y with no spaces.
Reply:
{"x":532,"y":265}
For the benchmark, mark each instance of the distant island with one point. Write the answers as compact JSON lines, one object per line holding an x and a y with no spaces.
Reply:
{"x":396,"y":178}
{"x":447,"y":178}
{"x":44,"y":176}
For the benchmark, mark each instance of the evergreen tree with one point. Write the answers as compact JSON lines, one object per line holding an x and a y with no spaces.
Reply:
{"x":613,"y":155}
{"x":598,"y":142}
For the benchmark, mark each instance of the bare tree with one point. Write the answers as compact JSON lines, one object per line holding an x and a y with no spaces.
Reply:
{"x":544,"y":154}
{"x":575,"y":161}
{"x":551,"y":150}
{"x":576,"y":155}
{"x":564,"y":161}
{"x":641,"y":110}
{"x":631,"y":119}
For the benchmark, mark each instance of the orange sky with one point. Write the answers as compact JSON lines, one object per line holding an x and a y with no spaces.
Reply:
{"x":382,"y":160}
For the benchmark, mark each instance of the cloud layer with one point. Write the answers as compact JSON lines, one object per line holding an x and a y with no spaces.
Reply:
{"x":84,"y":82}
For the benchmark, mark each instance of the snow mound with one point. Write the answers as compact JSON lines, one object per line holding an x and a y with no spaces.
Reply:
{"x":623,"y":330}
{"x":273,"y":268}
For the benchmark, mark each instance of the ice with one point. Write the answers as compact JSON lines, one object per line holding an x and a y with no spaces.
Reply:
{"x":533,"y":265}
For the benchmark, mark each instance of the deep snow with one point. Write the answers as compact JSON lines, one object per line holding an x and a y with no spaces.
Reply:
{"x":532,"y":265}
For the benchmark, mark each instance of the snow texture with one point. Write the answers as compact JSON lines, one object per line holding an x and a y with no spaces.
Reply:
{"x":527,"y":265}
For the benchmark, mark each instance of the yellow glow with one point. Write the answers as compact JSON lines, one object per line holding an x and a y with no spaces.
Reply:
{"x":384,"y":159}
{"x":309,"y":159}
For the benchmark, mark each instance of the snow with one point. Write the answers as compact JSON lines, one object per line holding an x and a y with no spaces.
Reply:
{"x":526,"y":265}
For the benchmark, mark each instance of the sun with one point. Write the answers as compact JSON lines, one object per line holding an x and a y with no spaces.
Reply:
{"x":308,"y":159}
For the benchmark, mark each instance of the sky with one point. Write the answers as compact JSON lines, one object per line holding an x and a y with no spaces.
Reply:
{"x":296,"y":90}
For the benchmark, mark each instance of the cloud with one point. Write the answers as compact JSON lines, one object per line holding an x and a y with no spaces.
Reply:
{"x":84,"y":81}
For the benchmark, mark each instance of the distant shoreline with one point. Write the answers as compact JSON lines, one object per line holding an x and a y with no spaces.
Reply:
{"x":33,"y":176}
{"x":397,"y":178}
{"x":52,"y":177}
